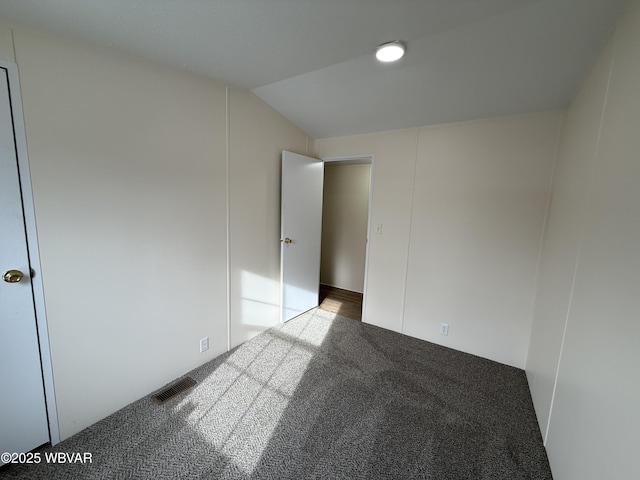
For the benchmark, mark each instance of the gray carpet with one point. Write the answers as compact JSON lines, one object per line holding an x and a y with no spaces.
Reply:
{"x":322,"y":398}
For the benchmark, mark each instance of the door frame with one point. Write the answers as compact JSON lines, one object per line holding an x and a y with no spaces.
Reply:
{"x":32,"y":246}
{"x":354,"y":160}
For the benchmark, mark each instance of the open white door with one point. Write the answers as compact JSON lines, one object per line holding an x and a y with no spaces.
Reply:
{"x":300,"y":234}
{"x":23,"y":414}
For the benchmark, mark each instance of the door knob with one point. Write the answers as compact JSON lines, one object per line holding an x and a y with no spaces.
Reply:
{"x":287,"y":240}
{"x":12,"y":276}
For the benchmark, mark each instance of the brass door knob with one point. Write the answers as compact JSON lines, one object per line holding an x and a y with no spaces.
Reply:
{"x":287,"y":240}
{"x":12,"y":276}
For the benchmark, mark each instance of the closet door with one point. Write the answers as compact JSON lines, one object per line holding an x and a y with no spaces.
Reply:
{"x":23,"y":415}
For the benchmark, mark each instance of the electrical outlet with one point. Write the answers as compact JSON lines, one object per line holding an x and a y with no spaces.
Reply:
{"x":204,"y":344}
{"x":444,"y":329}
{"x":379,"y":229}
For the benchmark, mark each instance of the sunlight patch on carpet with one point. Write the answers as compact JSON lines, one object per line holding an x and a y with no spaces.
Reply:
{"x":248,"y":393}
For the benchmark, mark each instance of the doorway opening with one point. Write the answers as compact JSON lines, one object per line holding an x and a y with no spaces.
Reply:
{"x":345,"y":228}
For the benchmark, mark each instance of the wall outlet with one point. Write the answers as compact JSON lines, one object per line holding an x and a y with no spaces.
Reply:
{"x":379,"y":229}
{"x":444,"y":329}
{"x":204,"y":344}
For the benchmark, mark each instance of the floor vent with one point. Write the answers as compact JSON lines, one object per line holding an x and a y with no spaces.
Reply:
{"x":168,"y":393}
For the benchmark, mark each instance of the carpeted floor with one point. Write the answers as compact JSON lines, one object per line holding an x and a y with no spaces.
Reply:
{"x":322,"y":398}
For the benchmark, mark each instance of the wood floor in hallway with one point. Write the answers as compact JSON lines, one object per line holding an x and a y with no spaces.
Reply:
{"x":343,"y":302}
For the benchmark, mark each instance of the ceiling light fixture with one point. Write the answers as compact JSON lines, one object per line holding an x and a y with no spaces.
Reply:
{"x":390,"y":51}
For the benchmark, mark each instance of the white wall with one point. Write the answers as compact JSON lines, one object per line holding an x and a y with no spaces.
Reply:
{"x":345,"y":216}
{"x":394,"y":165}
{"x":124,"y":156}
{"x":132,"y":171}
{"x":594,"y":331}
{"x":576,"y":154}
{"x":257,"y":137}
{"x":462,"y":207}
{"x":481,"y":191}
{"x":6,"y":43}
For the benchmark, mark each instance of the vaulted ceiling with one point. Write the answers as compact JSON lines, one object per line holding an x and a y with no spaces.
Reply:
{"x":312,"y":60}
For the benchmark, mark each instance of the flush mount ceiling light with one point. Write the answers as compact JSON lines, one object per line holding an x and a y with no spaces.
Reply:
{"x":390,"y":51}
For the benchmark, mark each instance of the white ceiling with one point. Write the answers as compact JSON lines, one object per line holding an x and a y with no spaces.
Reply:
{"x":312,"y":60}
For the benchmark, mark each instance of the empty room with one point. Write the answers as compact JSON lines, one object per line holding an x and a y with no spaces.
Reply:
{"x":165,"y":170}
